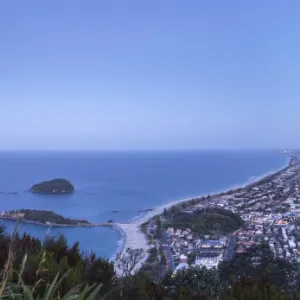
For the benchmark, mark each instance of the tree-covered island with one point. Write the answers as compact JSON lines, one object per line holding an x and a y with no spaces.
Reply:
{"x":55,"y":186}
{"x":42,"y":217}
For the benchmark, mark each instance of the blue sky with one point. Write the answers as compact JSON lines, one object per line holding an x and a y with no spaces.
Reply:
{"x":149,"y":74}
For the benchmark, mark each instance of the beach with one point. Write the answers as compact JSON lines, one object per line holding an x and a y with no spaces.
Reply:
{"x":135,"y":238}
{"x":126,"y":182}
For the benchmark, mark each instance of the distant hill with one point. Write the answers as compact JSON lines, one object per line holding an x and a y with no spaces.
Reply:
{"x":55,"y":186}
{"x":210,"y":221}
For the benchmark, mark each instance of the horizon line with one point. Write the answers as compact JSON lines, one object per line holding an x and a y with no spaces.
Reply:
{"x":149,"y":150}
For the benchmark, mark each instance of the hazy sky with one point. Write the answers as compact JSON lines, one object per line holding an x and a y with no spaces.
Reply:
{"x":149,"y":74}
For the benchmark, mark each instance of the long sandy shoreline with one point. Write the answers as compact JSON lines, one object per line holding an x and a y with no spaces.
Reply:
{"x":135,"y":238}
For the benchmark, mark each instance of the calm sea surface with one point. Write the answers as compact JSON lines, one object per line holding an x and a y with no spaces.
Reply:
{"x":122,"y":181}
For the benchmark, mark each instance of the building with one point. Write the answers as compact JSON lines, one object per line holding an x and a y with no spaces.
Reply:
{"x":208,"y":259}
{"x":182,"y":264}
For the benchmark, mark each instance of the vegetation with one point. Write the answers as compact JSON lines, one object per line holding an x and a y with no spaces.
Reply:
{"x":43,"y":216}
{"x":128,"y":261}
{"x":210,"y":221}
{"x":27,"y":263}
{"x":144,"y":228}
{"x":55,"y":186}
{"x":52,"y":270}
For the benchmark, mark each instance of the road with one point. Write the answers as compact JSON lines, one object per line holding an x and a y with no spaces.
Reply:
{"x":167,"y":250}
{"x":230,"y":248}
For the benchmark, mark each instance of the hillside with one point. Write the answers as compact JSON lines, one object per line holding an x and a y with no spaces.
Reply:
{"x":209,"y":221}
{"x":42,"y":216}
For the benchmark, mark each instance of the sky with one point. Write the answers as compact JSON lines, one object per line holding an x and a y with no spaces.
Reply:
{"x":169,"y":74}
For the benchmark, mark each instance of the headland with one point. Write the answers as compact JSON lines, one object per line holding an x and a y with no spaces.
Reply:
{"x":42,"y":217}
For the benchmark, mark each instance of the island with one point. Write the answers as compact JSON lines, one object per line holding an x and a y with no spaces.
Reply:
{"x":55,"y":186}
{"x":42,"y":217}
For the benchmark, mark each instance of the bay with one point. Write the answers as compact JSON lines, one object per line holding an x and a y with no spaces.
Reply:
{"x":127,"y":182}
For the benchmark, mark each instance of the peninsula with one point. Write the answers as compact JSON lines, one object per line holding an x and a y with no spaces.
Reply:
{"x":54,"y":186}
{"x":42,"y":217}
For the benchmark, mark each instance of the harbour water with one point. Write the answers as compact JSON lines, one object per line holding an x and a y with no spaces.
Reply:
{"x":126,"y":182}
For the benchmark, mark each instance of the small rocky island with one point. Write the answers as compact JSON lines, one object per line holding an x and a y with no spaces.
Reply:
{"x":43,"y":217}
{"x":55,"y":186}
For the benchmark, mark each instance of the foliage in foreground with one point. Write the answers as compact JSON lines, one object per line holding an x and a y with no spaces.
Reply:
{"x":52,"y":270}
{"x":45,"y":260}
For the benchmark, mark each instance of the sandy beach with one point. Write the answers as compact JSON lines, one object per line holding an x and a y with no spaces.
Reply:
{"x":135,"y":238}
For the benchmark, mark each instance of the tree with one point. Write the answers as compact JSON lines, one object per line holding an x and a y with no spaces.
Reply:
{"x":165,"y":213}
{"x":128,"y":260}
{"x":158,"y":222}
{"x":173,"y":209}
{"x":195,"y":282}
{"x":184,"y":205}
{"x":140,"y":287}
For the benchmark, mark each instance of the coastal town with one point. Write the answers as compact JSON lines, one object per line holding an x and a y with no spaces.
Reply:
{"x":270,"y":211}
{"x":264,"y":211}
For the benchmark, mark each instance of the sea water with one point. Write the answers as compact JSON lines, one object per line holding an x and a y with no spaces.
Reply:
{"x":126,"y":182}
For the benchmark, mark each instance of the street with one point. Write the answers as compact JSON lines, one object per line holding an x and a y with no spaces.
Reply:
{"x":229,"y":252}
{"x":164,"y":243}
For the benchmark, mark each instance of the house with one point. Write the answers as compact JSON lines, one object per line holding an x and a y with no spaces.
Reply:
{"x":189,"y":237}
{"x":170,"y":230}
{"x":190,"y":246}
{"x":240,"y":249}
{"x":182,"y":264}
{"x":292,"y":244}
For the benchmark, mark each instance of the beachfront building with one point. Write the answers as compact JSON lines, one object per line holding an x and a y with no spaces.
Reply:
{"x":208,"y":260}
{"x":212,"y":244}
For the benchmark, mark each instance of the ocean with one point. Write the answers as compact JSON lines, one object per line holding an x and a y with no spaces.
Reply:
{"x":127,"y":182}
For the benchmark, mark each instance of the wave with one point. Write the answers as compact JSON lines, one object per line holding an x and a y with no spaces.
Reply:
{"x":120,"y":243}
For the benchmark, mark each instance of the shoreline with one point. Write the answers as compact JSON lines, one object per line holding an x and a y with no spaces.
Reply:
{"x":131,"y":234}
{"x":140,"y":237}
{"x":150,"y":214}
{"x":135,"y":239}
{"x":159,"y":210}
